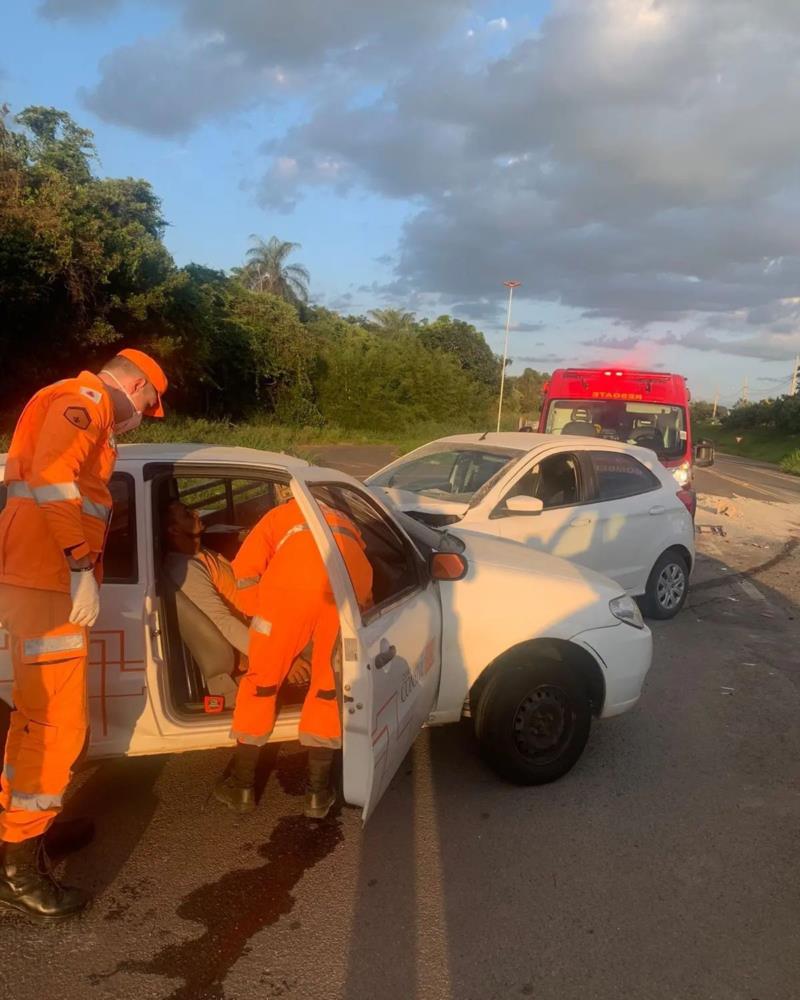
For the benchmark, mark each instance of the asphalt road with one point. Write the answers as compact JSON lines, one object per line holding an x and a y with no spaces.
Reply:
{"x":730,"y":476}
{"x":665,"y":866}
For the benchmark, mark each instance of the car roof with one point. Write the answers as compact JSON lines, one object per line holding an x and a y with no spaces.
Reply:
{"x":142,"y":453}
{"x":519,"y":440}
{"x":528,"y":442}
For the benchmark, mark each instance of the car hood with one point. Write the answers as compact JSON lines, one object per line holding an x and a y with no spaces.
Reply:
{"x":510,"y":555}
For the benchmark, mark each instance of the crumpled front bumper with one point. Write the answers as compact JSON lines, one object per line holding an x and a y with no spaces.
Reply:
{"x":625,"y":654}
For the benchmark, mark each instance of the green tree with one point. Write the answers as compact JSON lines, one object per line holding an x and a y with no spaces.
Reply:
{"x":79,"y":255}
{"x":466,"y":344}
{"x":530,"y":386}
{"x":384,"y":384}
{"x":391,"y":322}
{"x":266,"y":270}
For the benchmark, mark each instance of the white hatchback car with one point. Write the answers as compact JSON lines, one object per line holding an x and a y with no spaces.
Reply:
{"x":530,"y":646}
{"x":606,"y":505}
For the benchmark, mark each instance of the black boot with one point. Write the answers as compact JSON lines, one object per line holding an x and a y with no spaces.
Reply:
{"x":321,"y":795}
{"x":238,"y":791}
{"x":66,"y":836}
{"x":27,"y":883}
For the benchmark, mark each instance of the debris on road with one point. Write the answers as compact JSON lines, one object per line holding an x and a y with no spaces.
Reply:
{"x":710,"y":529}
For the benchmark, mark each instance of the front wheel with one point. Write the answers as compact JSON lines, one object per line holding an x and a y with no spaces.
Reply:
{"x":667,"y":587}
{"x":533,"y":721}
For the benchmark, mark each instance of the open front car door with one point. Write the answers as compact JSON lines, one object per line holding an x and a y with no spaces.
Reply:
{"x":391,"y":643}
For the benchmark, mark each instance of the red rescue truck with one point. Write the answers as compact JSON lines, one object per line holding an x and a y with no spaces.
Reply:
{"x":649,"y":409}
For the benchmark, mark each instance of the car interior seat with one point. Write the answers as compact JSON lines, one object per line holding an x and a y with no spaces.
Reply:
{"x":579,"y":428}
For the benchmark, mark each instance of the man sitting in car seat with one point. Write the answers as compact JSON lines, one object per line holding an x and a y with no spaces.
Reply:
{"x":204,"y":581}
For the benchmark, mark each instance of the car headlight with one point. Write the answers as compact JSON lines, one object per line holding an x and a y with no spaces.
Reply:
{"x":627,"y":610}
{"x":683,"y":474}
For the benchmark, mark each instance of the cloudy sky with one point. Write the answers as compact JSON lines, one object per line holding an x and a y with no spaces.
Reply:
{"x":634,"y":163}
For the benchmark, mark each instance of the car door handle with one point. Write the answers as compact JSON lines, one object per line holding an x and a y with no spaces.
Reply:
{"x":580,"y":522}
{"x":658,"y":509}
{"x":385,"y":657}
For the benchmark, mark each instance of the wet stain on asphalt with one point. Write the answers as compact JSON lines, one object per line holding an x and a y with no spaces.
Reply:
{"x":238,"y":906}
{"x":132,"y":892}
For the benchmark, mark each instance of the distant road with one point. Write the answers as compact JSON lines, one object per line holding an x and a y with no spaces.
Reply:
{"x":748,"y":478}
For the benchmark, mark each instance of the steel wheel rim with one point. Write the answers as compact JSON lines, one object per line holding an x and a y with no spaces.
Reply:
{"x":670,"y":587}
{"x":543,"y":724}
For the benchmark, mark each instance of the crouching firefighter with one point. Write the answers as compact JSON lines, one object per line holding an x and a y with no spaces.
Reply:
{"x":52,"y":534}
{"x":281,"y":571}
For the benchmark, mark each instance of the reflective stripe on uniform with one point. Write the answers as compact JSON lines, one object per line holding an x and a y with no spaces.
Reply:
{"x":35,"y":801}
{"x":8,"y":772}
{"x":93,"y":509}
{"x":249,"y":739}
{"x":249,"y":581}
{"x":55,"y":492}
{"x":313,"y":740}
{"x":290,"y":532}
{"x":261,"y":625}
{"x":20,"y":491}
{"x":52,"y":644}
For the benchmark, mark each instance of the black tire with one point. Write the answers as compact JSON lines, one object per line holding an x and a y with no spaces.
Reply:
{"x":533,"y":721}
{"x":667,"y":586}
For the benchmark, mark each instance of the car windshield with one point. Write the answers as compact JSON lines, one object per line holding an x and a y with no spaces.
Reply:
{"x":657,"y":426}
{"x":447,"y":471}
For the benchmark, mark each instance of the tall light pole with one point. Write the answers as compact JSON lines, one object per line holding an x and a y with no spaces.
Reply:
{"x":510,"y":285}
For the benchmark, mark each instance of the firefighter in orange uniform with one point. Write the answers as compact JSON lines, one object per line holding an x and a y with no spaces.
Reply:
{"x":285,"y":587}
{"x":52,"y":534}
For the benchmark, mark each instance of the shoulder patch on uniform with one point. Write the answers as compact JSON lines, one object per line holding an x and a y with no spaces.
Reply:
{"x":92,"y":394}
{"x":78,"y":417}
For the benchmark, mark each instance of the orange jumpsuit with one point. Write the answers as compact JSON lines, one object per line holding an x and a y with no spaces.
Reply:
{"x":59,"y":463}
{"x":280,"y":569}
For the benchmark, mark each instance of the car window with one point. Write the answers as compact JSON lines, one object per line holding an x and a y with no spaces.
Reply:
{"x":120,"y":562}
{"x":620,"y":475}
{"x":451,"y":474}
{"x":224,"y":500}
{"x":228,"y":506}
{"x":555,"y":481}
{"x":395,"y":564}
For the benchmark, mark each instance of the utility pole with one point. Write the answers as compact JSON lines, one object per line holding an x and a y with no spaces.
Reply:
{"x":795,"y":375}
{"x":716,"y":404}
{"x":745,"y":391}
{"x":510,"y":285}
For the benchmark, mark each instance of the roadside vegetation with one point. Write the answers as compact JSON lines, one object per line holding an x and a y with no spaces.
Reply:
{"x":767,"y":430}
{"x":84,"y":271}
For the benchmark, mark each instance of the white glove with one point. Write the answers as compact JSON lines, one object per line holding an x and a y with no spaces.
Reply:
{"x":85,"y":598}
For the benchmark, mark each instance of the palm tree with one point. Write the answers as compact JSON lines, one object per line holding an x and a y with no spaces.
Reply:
{"x":392,"y":321}
{"x":266,"y":270}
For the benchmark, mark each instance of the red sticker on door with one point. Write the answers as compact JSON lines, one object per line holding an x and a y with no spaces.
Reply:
{"x":213,"y":704}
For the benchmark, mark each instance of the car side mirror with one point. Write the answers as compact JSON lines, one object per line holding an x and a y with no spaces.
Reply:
{"x":524,"y":505}
{"x":448,"y":566}
{"x":704,"y":454}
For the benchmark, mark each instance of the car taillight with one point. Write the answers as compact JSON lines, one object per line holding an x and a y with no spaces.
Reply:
{"x":689,"y":500}
{"x":683,"y":474}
